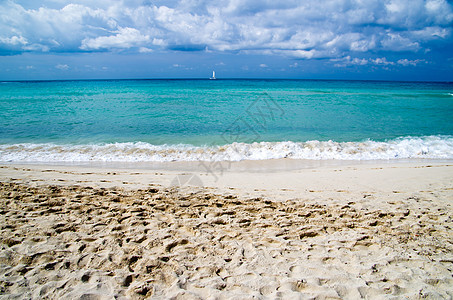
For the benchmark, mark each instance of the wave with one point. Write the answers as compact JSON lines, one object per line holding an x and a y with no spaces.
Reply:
{"x":432,"y":147}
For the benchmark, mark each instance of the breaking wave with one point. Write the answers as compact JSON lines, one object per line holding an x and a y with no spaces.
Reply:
{"x":432,"y":147}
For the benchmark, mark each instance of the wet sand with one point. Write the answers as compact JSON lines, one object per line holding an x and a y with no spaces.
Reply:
{"x":375,"y":231}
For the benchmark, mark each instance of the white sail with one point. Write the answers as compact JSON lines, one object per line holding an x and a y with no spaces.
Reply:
{"x":213,"y":75}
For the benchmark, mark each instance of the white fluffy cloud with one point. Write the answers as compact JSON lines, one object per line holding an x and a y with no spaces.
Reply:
{"x":301,"y":29}
{"x":122,"y":38}
{"x":407,"y":62}
{"x":379,"y":61}
{"x":62,"y":67}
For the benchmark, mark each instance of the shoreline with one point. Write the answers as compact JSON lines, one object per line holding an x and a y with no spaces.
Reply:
{"x":280,"y":178}
{"x":364,"y":230}
{"x":265,"y":165}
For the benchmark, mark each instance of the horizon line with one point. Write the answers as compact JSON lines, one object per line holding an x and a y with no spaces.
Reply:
{"x":220,"y":79}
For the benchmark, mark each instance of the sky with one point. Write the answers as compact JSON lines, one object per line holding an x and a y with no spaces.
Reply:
{"x":306,"y":39}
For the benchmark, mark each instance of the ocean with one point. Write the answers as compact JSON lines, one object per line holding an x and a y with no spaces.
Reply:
{"x":224,"y":120}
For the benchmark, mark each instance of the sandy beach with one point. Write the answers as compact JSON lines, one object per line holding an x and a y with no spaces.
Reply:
{"x":238,"y":149}
{"x":255,"y":230}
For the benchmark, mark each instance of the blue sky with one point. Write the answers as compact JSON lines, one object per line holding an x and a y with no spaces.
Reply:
{"x":334,"y":39}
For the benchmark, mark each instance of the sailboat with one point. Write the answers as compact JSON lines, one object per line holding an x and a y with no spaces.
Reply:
{"x":213,"y":75}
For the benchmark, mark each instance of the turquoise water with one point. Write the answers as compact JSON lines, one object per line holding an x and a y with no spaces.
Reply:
{"x":153,"y":120}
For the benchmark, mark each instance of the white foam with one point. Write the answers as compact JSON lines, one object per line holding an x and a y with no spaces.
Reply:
{"x":433,"y":147}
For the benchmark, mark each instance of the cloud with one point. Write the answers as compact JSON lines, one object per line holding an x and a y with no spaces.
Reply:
{"x":301,"y":29}
{"x":379,"y":61}
{"x":124,"y":38}
{"x":62,"y":67}
{"x":406,"y":62}
{"x":14,"y":40}
{"x":397,"y":42}
{"x":264,"y":66}
{"x":145,"y":50}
